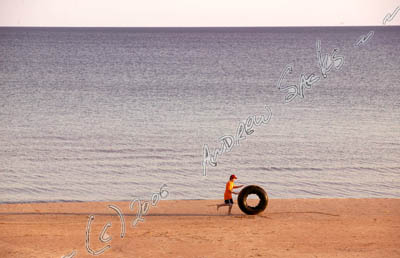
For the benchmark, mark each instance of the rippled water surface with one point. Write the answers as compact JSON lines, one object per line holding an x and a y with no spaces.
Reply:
{"x":112,"y":114}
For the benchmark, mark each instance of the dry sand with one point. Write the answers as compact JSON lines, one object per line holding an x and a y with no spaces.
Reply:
{"x":193,"y":228}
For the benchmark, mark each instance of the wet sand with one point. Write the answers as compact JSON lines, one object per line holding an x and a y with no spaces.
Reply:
{"x":194,"y":228}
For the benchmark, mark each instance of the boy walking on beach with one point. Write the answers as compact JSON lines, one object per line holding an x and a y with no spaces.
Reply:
{"x":230,"y":185}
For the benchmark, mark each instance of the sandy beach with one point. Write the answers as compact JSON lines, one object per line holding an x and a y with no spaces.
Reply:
{"x":194,"y":228}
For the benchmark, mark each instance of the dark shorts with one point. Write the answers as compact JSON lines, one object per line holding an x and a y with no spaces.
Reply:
{"x":229,"y":201}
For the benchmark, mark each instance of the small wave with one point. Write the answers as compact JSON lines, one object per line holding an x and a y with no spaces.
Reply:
{"x":138,"y":150}
{"x":355,"y":168}
{"x":51,"y":137}
{"x":287,"y":168}
{"x":40,"y":201}
{"x":109,"y":150}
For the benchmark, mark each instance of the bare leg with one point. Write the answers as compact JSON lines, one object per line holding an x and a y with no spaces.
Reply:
{"x":220,"y":205}
{"x":230,"y":208}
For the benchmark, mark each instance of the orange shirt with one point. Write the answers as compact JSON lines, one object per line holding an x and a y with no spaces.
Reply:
{"x":228,"y":190}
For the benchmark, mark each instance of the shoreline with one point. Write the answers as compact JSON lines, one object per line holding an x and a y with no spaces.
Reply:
{"x":169,"y":199}
{"x":339,"y":227}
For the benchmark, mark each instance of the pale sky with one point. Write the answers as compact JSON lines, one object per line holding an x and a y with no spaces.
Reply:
{"x":189,"y":13}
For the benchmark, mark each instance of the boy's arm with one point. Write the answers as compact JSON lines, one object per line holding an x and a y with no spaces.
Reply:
{"x":231,"y":190}
{"x":238,"y":186}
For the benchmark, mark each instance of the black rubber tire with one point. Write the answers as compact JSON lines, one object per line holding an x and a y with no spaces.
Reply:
{"x":242,"y":199}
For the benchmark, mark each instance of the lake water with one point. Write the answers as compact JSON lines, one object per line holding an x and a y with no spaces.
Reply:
{"x":89,"y":114}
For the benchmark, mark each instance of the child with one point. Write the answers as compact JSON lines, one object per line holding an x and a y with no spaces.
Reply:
{"x":228,"y":193}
